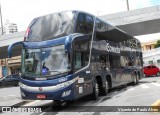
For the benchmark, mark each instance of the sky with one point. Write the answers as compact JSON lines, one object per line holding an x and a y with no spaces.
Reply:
{"x":22,"y":12}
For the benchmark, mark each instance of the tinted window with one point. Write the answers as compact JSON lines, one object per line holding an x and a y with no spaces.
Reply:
{"x":84,"y":23}
{"x":154,"y":67}
{"x":105,"y":31}
{"x":114,"y":61}
{"x":148,"y":67}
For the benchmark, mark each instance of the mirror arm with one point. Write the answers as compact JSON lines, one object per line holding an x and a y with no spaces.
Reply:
{"x":11,"y":47}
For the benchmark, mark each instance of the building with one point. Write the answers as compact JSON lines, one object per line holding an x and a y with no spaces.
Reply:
{"x":151,"y":55}
{"x":149,"y":45}
{"x":9,"y":28}
{"x":10,"y":65}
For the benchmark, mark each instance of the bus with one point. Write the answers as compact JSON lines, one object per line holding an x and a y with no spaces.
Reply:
{"x":72,"y":54}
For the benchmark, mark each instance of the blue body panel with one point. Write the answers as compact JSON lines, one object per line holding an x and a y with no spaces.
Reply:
{"x":47,"y":43}
{"x":43,"y":83}
{"x":50,"y":95}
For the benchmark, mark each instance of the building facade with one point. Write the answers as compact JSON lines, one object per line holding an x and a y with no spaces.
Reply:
{"x":146,"y":46}
{"x":10,"y":65}
{"x":9,"y":28}
{"x":152,"y":57}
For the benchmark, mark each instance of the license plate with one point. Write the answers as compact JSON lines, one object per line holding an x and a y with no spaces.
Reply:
{"x":41,"y":96}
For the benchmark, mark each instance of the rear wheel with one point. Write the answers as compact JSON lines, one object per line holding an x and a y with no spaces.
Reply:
{"x":137,"y":79}
{"x":95,"y":93}
{"x":134,"y":80}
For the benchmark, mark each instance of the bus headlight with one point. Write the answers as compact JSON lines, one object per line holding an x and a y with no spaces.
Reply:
{"x":22,"y":85}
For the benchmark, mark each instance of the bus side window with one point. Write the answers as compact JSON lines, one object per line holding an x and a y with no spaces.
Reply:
{"x":114,"y":61}
{"x":78,"y":60}
{"x":81,"y":59}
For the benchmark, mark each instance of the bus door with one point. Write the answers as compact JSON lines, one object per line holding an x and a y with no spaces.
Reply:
{"x":81,"y":51}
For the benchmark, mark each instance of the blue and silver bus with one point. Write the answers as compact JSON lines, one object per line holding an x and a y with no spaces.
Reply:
{"x":72,"y":54}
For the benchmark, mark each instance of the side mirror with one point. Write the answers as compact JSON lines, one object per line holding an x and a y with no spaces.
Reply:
{"x":11,"y":46}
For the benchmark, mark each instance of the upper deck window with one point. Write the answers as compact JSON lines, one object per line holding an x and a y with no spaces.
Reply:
{"x":85,"y":23}
{"x":51,"y":26}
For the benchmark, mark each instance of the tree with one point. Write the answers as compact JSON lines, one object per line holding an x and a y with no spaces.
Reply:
{"x":157,"y":44}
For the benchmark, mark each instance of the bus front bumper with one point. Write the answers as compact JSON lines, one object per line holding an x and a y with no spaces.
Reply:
{"x":63,"y":91}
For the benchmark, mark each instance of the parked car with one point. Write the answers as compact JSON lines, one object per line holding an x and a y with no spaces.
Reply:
{"x":10,"y":80}
{"x":151,"y":70}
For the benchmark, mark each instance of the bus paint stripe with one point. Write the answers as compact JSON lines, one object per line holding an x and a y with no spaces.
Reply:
{"x":144,"y":86}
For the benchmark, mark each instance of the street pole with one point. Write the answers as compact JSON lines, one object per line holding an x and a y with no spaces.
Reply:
{"x":127,"y":4}
{"x":1,"y":19}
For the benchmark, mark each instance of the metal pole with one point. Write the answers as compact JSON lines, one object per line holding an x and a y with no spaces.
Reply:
{"x":127,"y":4}
{"x":1,"y":19}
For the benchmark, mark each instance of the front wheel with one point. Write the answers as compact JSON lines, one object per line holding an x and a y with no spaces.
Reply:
{"x":106,"y":88}
{"x":95,"y":93}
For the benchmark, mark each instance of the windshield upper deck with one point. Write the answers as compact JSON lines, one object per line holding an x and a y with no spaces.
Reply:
{"x":51,"y":26}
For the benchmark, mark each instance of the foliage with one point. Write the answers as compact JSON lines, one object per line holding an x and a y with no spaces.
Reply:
{"x":157,"y":44}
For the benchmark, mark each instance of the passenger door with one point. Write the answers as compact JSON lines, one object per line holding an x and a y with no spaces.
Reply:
{"x":154,"y":70}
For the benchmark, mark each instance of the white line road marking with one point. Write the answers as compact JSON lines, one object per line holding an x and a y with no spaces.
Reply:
{"x":32,"y":103}
{"x":144,"y":86}
{"x":157,"y":84}
{"x":130,"y":89}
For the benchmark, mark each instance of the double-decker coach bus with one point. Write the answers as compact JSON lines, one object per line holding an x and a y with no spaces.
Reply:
{"x":71,"y":54}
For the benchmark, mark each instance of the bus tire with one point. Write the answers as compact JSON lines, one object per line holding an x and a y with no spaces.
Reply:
{"x":137,"y":79}
{"x":95,"y":93}
{"x":105,"y":89}
{"x":134,"y":80}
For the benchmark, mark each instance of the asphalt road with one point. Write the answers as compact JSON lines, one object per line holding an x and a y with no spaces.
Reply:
{"x":144,"y":94}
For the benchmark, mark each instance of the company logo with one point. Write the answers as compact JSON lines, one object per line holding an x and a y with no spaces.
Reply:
{"x":112,"y":48}
{"x":62,"y":79}
{"x":41,"y":78}
{"x":6,"y":109}
{"x":40,"y":88}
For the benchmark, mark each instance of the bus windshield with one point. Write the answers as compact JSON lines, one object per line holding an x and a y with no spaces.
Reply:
{"x":46,"y":61}
{"x":51,"y":26}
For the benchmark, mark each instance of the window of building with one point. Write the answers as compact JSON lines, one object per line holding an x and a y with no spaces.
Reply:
{"x":158,"y":61}
{"x":150,"y":62}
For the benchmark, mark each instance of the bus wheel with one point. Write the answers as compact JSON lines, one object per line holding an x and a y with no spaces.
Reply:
{"x":137,"y":79}
{"x":134,"y":79}
{"x":95,"y":93}
{"x":106,"y":88}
